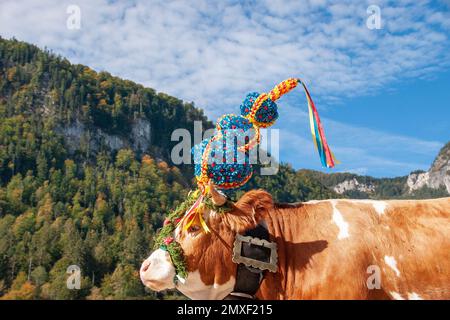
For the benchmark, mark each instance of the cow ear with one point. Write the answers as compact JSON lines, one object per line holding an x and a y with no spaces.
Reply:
{"x":249,"y":210}
{"x":255,"y":200}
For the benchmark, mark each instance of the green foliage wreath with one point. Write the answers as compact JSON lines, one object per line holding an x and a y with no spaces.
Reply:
{"x":164,"y":238}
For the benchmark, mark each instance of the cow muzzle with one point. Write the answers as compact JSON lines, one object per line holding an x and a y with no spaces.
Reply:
{"x":157,"y":271}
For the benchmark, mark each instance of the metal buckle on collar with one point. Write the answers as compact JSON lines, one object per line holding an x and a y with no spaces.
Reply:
{"x":270,"y":265}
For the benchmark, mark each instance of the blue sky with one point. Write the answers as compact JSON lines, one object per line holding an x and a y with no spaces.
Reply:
{"x":383,"y":94}
{"x":401,"y":129}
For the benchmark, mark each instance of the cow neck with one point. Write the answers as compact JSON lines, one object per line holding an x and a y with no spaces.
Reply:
{"x":248,"y":279}
{"x":226,"y":245}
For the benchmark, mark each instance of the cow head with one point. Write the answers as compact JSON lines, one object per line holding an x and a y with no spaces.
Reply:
{"x":208,"y":257}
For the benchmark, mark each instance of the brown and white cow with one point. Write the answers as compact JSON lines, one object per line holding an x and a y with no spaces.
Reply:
{"x":326,"y":250}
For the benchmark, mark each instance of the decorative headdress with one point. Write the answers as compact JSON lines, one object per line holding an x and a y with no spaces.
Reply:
{"x":225,"y":165}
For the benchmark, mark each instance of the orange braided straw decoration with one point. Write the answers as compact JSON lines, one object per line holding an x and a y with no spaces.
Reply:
{"x":253,"y":142}
{"x":280,"y":89}
{"x":203,"y":179}
{"x":256,"y":105}
{"x":283,"y":88}
{"x":228,"y":185}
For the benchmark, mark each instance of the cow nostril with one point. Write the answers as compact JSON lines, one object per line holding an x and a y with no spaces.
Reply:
{"x":146,"y":266}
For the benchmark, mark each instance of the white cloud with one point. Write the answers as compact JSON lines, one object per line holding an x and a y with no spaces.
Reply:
{"x":213,"y":52}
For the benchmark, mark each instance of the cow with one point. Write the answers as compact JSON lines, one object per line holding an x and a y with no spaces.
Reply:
{"x":327,"y":249}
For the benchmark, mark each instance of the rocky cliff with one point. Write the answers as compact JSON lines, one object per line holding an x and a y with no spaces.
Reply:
{"x":436,"y":177}
{"x":353,"y":185}
{"x":77,"y":134}
{"x":433,"y":183}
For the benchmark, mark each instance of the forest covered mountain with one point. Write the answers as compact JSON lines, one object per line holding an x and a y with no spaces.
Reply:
{"x":85,"y":176}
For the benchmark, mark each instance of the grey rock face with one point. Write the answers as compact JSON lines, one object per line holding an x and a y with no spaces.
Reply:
{"x":77,"y":134}
{"x":141,"y":134}
{"x":350,"y":185}
{"x":437,"y":176}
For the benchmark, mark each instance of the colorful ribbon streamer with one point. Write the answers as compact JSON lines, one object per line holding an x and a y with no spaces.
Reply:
{"x":326,"y":156}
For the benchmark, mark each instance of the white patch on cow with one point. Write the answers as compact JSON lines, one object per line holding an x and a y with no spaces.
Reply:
{"x":340,"y":222}
{"x":194,"y":288}
{"x":380,"y":206}
{"x":157,"y":271}
{"x":396,"y":296}
{"x":413,"y":296}
{"x":392,"y":263}
{"x":315,"y":201}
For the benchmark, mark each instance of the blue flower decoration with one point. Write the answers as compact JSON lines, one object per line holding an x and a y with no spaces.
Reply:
{"x":267,"y":113}
{"x":227,"y":167}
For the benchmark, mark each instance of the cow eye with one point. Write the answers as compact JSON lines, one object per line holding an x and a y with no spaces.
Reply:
{"x":194,"y":228}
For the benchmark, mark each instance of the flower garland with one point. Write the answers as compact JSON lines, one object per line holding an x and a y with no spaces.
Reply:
{"x":164,"y":239}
